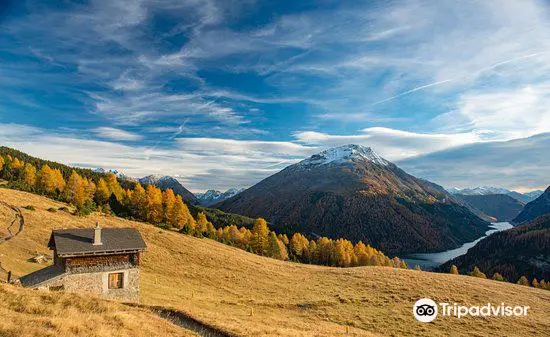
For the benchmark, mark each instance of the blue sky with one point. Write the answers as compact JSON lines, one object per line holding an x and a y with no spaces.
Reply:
{"x":224,"y":93}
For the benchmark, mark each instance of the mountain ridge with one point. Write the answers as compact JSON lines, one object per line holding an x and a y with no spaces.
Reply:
{"x":358,"y":195}
{"x":535,"y":208}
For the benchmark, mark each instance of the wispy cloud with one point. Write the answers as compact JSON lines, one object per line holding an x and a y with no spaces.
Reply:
{"x":116,"y":134}
{"x":390,"y":143}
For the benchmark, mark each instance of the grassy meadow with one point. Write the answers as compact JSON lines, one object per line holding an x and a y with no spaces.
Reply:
{"x":256,"y":296}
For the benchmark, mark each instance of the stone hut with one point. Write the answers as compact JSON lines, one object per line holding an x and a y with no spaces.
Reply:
{"x":102,"y":261}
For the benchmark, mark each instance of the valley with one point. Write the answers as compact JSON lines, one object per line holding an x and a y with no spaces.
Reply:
{"x":251,"y":295}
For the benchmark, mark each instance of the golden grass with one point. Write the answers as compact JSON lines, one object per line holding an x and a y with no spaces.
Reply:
{"x":256,"y":296}
{"x":25,"y":312}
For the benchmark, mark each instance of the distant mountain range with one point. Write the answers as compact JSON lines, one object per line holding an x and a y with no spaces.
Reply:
{"x":502,"y":207}
{"x":535,"y":208}
{"x":117,"y":173}
{"x":488,"y":190}
{"x":523,"y":250}
{"x":212,"y":197}
{"x":165,"y":182}
{"x":352,"y":192}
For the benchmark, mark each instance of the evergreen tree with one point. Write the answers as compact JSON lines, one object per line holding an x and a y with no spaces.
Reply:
{"x":260,"y":233}
{"x":454,"y":270}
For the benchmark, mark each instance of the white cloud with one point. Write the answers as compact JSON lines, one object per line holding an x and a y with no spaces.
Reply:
{"x":203,"y":163}
{"x":391,"y":144}
{"x":116,"y":134}
{"x":199,"y":163}
{"x":245,"y":148}
{"x":519,"y":164}
{"x":501,"y":114}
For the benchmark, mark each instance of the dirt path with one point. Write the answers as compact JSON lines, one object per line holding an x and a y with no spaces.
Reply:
{"x":16,"y":226}
{"x":183,"y":320}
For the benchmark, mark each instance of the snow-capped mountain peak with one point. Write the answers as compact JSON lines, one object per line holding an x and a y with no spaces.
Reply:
{"x":480,"y":190}
{"x":343,"y":154}
{"x":211,"y":197}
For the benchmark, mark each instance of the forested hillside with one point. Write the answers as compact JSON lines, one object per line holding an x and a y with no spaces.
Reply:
{"x":167,"y":210}
{"x":516,"y":252}
{"x":539,"y":206}
{"x":501,"y":206}
{"x":351,"y":192}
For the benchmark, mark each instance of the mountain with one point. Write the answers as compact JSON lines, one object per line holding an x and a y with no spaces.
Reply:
{"x":534,"y":194}
{"x":501,"y":206}
{"x":523,"y":250}
{"x":212,"y":197}
{"x":117,"y":173}
{"x":488,"y":190}
{"x":165,"y":182}
{"x":480,"y":190}
{"x":539,"y":206}
{"x":352,"y":192}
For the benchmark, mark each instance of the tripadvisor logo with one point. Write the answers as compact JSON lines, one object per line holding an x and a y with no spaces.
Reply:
{"x":426,"y":310}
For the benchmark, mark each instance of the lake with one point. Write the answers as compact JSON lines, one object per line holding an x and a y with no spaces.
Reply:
{"x":431,"y":260}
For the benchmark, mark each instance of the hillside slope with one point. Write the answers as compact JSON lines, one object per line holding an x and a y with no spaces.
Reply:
{"x":523,"y":250}
{"x":534,"y":209}
{"x":256,"y":296}
{"x":26,"y":312}
{"x":353,"y":193}
{"x":501,"y":206}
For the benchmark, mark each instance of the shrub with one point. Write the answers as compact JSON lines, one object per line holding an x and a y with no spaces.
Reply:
{"x":30,"y":207}
{"x":478,"y":273}
{"x":52,"y":210}
{"x":524,"y":281}
{"x":63,"y":209}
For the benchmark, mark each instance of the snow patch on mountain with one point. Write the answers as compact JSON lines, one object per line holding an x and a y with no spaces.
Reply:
{"x":212,"y":197}
{"x":480,"y":190}
{"x":345,"y":154}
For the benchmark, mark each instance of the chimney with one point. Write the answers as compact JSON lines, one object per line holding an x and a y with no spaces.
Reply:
{"x":97,"y":235}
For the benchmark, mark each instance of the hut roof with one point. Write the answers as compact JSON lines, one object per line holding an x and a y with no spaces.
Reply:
{"x":79,"y":241}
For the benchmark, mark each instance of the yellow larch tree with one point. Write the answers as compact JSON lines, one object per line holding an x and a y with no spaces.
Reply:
{"x":29,"y":175}
{"x":168,"y":203}
{"x":75,"y":190}
{"x":153,"y":205}
{"x":260,"y":233}
{"x":102,"y":193}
